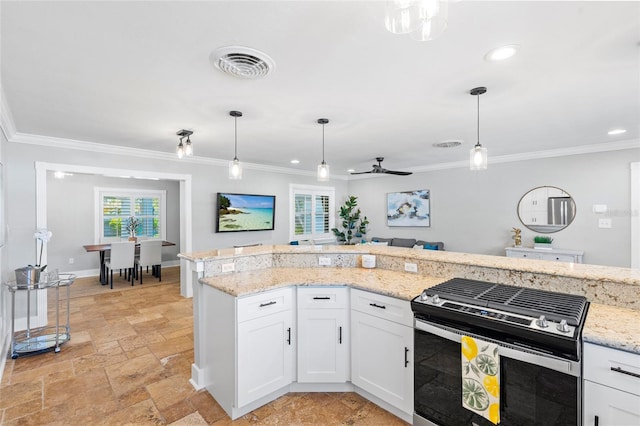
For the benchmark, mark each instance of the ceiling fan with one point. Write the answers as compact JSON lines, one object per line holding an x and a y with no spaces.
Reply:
{"x":377,"y":168}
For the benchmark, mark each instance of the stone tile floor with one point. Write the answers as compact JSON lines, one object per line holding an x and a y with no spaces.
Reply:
{"x":129,"y":362}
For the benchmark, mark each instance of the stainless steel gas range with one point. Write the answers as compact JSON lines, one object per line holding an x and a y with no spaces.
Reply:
{"x":538,"y":335}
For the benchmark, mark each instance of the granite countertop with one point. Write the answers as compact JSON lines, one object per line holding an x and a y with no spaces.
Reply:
{"x":401,"y":285}
{"x":610,"y":326}
{"x":613,"y":326}
{"x":563,"y":269}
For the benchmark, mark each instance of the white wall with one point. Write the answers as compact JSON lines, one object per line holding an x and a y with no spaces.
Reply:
{"x":475,"y":211}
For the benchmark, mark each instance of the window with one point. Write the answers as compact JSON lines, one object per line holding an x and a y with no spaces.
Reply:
{"x":312,"y":210}
{"x":115,"y":206}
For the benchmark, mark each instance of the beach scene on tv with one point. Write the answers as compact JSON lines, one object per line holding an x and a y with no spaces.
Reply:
{"x":242,"y":212}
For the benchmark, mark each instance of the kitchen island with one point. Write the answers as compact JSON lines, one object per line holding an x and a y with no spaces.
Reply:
{"x":614,"y":293}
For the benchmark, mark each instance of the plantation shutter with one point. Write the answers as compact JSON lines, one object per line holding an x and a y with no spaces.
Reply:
{"x":312,"y":213}
{"x":115,"y":211}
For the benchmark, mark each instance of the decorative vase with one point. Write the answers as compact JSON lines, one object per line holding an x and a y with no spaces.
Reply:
{"x":134,"y":239}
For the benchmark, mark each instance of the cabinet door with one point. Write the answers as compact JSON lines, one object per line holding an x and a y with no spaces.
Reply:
{"x":382,"y":359}
{"x":265,"y":356}
{"x":605,"y":406}
{"x":323,"y":345}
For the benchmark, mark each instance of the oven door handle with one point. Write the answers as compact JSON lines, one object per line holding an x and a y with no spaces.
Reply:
{"x":528,"y":356}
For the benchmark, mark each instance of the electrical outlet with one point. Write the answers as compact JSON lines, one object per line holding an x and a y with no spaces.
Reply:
{"x":410,"y":267}
{"x":324,"y":261}
{"x":71,"y":260}
{"x":604,"y":222}
{"x":228,"y":267}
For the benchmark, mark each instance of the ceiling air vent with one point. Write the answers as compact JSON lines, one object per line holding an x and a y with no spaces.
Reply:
{"x":242,"y":62}
{"x":447,"y":144}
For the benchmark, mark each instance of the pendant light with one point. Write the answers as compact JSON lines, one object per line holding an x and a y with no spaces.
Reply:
{"x":184,"y":148}
{"x":323,"y":168}
{"x":235,"y":167}
{"x":478,"y":154}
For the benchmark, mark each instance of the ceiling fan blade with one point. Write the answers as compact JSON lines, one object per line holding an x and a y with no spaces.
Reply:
{"x":392,"y":172}
{"x":359,"y":173}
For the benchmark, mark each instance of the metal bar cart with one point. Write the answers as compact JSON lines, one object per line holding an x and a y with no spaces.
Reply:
{"x":46,"y":338}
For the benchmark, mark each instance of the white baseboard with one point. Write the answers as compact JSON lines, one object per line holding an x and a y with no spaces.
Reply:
{"x":95,"y":272}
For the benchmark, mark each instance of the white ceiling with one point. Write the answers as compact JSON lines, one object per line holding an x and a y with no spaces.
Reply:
{"x":134,"y":73}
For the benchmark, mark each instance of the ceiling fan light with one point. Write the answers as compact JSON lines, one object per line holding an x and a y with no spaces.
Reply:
{"x":478,"y":158}
{"x":235,"y":169}
{"x":323,"y":172}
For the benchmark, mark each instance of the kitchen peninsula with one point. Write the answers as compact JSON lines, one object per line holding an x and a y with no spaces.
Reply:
{"x":225,"y":303}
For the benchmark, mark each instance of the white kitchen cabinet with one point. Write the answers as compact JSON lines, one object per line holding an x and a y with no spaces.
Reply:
{"x":611,"y":387}
{"x":323,"y":334}
{"x":382,"y":348}
{"x":248,"y":347}
{"x":560,"y":255}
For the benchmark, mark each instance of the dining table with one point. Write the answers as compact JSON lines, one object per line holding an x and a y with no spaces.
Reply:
{"x":102,"y":248}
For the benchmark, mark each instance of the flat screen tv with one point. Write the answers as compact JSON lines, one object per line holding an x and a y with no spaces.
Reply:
{"x":245,"y":212}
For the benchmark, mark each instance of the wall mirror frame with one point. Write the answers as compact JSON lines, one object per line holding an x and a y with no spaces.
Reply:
{"x":546,"y":209}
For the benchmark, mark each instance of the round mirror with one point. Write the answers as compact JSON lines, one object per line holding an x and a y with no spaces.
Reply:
{"x":546,"y":209}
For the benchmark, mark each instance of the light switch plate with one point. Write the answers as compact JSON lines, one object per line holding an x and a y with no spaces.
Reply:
{"x":599,"y":208}
{"x":604,"y":222}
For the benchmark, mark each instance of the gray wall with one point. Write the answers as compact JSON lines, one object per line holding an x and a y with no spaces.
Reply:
{"x":475,"y":211}
{"x":207,"y":180}
{"x":71,"y":216}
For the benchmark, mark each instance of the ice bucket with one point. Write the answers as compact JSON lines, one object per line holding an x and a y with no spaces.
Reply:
{"x":28,"y":275}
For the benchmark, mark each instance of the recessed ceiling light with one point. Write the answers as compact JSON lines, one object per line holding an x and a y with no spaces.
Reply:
{"x":501,"y":53}
{"x":617,"y":131}
{"x":295,"y":161}
{"x":447,"y":144}
{"x":351,"y":170}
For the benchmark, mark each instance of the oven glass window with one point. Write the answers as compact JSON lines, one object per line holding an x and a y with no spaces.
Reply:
{"x":529,"y":394}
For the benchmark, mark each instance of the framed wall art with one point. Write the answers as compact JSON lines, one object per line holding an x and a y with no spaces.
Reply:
{"x":409,"y":208}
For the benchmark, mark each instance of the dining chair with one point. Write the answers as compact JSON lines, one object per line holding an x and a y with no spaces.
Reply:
{"x":150,"y":255}
{"x":122,"y":257}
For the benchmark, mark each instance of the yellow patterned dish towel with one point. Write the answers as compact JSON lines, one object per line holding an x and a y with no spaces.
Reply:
{"x":481,"y":378}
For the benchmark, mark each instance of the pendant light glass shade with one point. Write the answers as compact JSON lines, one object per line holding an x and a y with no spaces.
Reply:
{"x":180,"y":149}
{"x":188,"y":148}
{"x":478,"y":158}
{"x":478,"y":155}
{"x":184,"y":148}
{"x":323,"y":168}
{"x":235,"y":167}
{"x":402,"y":16}
{"x":433,"y":22}
{"x":323,"y":172}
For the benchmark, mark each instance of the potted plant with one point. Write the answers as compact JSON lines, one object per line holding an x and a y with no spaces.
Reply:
{"x":353,"y":224}
{"x":542,"y":242}
{"x":132,"y":225}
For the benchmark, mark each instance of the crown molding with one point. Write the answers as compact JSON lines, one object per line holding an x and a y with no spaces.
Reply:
{"x":72,"y":144}
{"x":8,"y":128}
{"x":536,"y":155}
{"x":6,"y":119}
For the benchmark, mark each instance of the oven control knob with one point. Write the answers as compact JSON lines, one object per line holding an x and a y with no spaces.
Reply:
{"x":563,"y":327}
{"x":542,"y":322}
{"x":423,"y":295}
{"x":435,"y":299}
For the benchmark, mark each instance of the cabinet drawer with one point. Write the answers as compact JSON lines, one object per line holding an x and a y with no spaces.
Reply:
{"x":612,"y":368}
{"x":266,"y":303}
{"x":385,"y":307}
{"x":558,"y":257}
{"x":522,"y":255}
{"x":323,"y":297}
